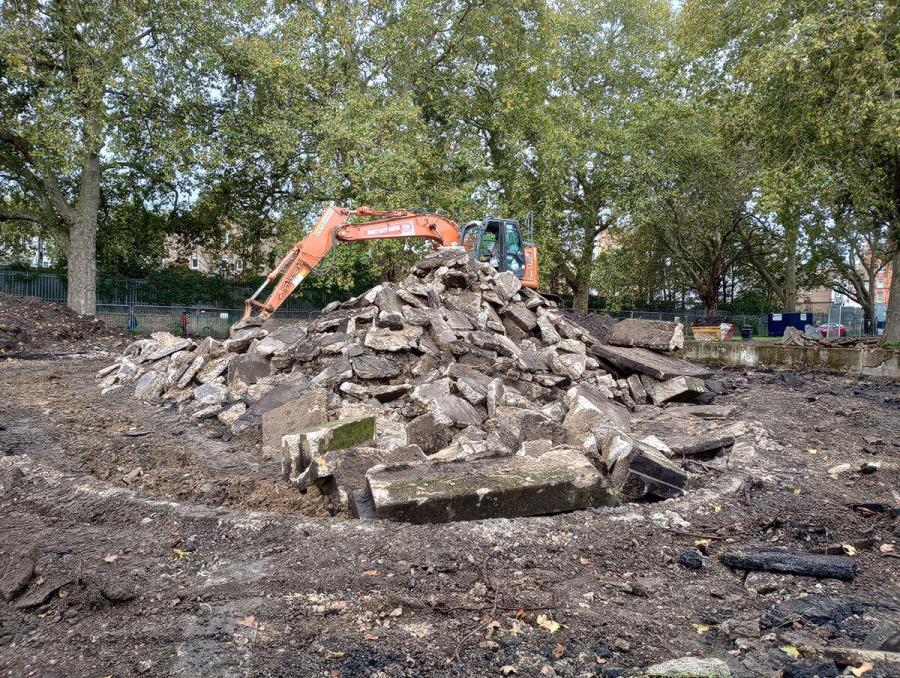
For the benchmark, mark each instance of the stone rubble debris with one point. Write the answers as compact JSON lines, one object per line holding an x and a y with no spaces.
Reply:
{"x":454,"y":394}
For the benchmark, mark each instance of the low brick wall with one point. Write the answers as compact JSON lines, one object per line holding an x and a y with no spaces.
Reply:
{"x":873,"y":362}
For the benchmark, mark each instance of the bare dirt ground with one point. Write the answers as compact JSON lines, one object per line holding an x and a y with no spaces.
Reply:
{"x":205,"y":563}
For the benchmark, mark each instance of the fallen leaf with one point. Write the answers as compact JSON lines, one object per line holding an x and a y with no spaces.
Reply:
{"x":547,"y":671}
{"x":790,"y":651}
{"x":508,"y":670}
{"x":370,"y":573}
{"x":849,"y":549}
{"x":796,"y":490}
{"x":516,"y":628}
{"x":559,"y":650}
{"x":859,"y":670}
{"x":111,"y":558}
{"x":249,"y":620}
{"x":547,"y":623}
{"x":370,"y":636}
{"x":179,"y":553}
{"x":886,"y":548}
{"x":333,"y":654}
{"x":812,"y":450}
{"x":700,"y":628}
{"x":717,"y":508}
{"x":396,"y":612}
{"x":584,"y":561}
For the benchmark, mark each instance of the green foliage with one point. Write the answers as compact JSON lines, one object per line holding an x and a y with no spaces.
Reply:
{"x":661,"y":152}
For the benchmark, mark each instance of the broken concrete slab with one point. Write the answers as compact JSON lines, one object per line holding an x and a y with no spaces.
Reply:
{"x":677,"y":389}
{"x":452,"y":411}
{"x":638,"y":392}
{"x":150,"y":386}
{"x":373,"y":366}
{"x":390,"y":308}
{"x":647,"y":362}
{"x":504,"y":487}
{"x":296,"y":414}
{"x":248,"y":368}
{"x":211,"y":394}
{"x":343,"y":470}
{"x":385,"y":339}
{"x":587,"y":406}
{"x":642,"y":470}
{"x":658,"y":335}
{"x":427,"y":433}
{"x":299,"y":449}
{"x":687,"y":444}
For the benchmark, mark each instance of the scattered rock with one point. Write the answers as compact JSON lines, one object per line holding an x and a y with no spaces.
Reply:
{"x":690,"y":667}
{"x":690,"y":558}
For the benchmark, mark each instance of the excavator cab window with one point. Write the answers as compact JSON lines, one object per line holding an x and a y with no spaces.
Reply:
{"x":470,"y":237}
{"x":490,"y":247}
{"x":515,"y":251}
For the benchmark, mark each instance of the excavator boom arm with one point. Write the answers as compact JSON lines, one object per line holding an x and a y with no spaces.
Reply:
{"x":333,"y":227}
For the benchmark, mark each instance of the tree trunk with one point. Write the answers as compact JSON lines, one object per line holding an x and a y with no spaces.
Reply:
{"x":581,"y":293}
{"x":82,"y":250}
{"x":892,"y":324}
{"x":790,"y":272}
{"x":81,"y":255}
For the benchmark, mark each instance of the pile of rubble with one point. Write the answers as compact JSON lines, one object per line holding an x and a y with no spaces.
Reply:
{"x":455,"y":394}
{"x":812,"y":337}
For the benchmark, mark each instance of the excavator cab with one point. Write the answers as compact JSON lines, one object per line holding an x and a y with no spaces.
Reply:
{"x":499,"y":243}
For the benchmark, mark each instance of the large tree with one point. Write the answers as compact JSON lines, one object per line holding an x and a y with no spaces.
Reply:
{"x":817,"y":81}
{"x":93,"y":88}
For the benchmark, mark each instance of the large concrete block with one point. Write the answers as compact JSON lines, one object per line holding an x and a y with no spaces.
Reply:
{"x":677,"y":389}
{"x":659,"y":335}
{"x":301,"y":448}
{"x":502,"y":487}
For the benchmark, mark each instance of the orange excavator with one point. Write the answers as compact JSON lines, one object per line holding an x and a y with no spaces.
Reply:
{"x":496,"y":241}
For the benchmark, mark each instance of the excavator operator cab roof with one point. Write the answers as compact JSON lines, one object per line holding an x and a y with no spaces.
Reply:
{"x":497,"y":242}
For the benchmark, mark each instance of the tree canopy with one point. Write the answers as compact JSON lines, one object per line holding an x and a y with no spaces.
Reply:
{"x":663,"y":152}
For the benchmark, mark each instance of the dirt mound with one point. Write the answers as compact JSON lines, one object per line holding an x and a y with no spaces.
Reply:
{"x":30,"y":326}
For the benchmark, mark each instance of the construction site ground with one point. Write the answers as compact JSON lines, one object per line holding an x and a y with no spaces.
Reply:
{"x":205,"y":562}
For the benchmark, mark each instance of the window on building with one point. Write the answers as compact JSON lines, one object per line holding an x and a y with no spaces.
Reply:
{"x":195,"y":262}
{"x":240,"y":264}
{"x":223,"y":262}
{"x":226,"y":238}
{"x":879,"y":297}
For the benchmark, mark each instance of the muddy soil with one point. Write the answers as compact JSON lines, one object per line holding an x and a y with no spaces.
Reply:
{"x":204,"y":563}
{"x":31,"y":327}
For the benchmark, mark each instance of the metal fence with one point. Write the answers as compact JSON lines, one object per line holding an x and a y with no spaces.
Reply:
{"x":131,"y":304}
{"x":128,"y":304}
{"x":196,"y":321}
{"x":131,"y":291}
{"x":850,"y":317}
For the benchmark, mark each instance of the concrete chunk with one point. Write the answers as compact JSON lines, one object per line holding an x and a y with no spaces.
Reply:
{"x":301,"y":448}
{"x":647,"y":362}
{"x":384,"y":339}
{"x":643,"y":470}
{"x":505,"y":487}
{"x":587,"y":406}
{"x":659,"y":335}
{"x":677,"y":389}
